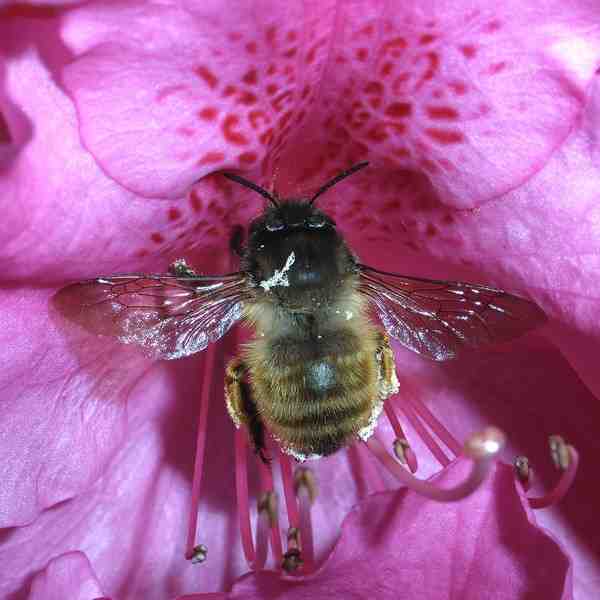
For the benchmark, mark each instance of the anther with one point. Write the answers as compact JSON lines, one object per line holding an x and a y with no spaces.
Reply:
{"x":559,"y":452}
{"x":268,"y":504}
{"x":481,"y":447}
{"x":405,"y":454}
{"x":292,"y":559}
{"x":409,"y":458}
{"x":523,"y":471}
{"x":267,"y":518}
{"x":199,"y":554}
{"x":304,"y":479}
{"x":306,"y":490}
{"x":566,"y":460}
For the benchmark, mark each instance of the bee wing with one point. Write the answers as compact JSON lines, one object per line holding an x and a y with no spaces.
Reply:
{"x":167,"y":315}
{"x":439,"y":319}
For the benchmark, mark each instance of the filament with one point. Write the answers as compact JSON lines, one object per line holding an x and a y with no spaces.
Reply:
{"x":427,"y":438}
{"x":241,"y":486}
{"x":194,"y":552}
{"x":435,"y":425}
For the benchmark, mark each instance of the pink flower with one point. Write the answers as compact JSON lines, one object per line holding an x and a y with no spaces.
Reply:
{"x":481,"y":128}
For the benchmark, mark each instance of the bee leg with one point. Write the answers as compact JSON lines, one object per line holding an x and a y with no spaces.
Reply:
{"x":388,"y":384}
{"x":180,"y":268}
{"x":242,"y":408}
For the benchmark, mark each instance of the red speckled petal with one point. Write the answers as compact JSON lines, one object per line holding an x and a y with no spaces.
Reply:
{"x":62,"y":217}
{"x":477,"y":100}
{"x":175,"y":106}
{"x":68,"y":576}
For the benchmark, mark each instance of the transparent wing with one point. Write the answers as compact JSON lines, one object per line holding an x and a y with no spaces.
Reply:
{"x":169,"y":316}
{"x":439,"y":319}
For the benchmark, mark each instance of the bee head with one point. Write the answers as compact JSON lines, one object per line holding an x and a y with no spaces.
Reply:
{"x":295,"y":255}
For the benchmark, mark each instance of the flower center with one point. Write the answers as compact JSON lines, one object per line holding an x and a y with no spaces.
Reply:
{"x":300,"y":489}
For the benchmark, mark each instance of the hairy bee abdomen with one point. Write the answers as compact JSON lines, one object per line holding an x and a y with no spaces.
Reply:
{"x":312,"y":398}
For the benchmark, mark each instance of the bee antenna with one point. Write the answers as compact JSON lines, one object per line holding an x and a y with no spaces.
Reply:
{"x":254,"y":187}
{"x":338,"y":178}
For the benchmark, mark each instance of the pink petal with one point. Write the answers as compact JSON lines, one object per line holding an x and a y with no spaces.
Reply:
{"x":87,"y":222}
{"x":67,"y":576}
{"x":539,"y":238}
{"x":440,"y":92}
{"x":484,"y":547}
{"x":63,"y":410}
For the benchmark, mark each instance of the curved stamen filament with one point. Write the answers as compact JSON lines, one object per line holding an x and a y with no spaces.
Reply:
{"x":193,"y":552}
{"x":406,"y":456}
{"x":566,"y":459}
{"x":427,"y":438}
{"x":481,"y":447}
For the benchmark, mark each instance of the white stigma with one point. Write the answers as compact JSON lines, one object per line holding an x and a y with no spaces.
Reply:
{"x":279,"y":277}
{"x":491,"y":446}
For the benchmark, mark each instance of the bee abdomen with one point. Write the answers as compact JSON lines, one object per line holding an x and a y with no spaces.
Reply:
{"x":316,"y":407}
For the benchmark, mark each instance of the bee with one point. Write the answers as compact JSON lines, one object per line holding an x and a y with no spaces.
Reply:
{"x":320,"y":366}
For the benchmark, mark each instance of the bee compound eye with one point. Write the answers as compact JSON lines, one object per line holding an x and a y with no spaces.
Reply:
{"x":315,"y":221}
{"x":275,"y":225}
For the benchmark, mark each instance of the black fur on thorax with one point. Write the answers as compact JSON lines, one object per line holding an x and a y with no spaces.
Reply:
{"x":322,"y":260}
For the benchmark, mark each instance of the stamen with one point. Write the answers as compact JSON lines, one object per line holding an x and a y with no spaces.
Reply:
{"x":566,"y":459}
{"x":267,"y":517}
{"x":266,"y":479}
{"x":292,"y":559}
{"x":427,"y":438}
{"x":481,"y":447}
{"x":241,"y":488}
{"x":288,"y":489}
{"x":523,"y":471}
{"x":306,"y":490}
{"x":435,"y":425}
{"x":405,"y":453}
{"x":197,"y":552}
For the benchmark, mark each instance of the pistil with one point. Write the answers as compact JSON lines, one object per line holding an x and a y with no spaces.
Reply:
{"x":481,"y":448}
